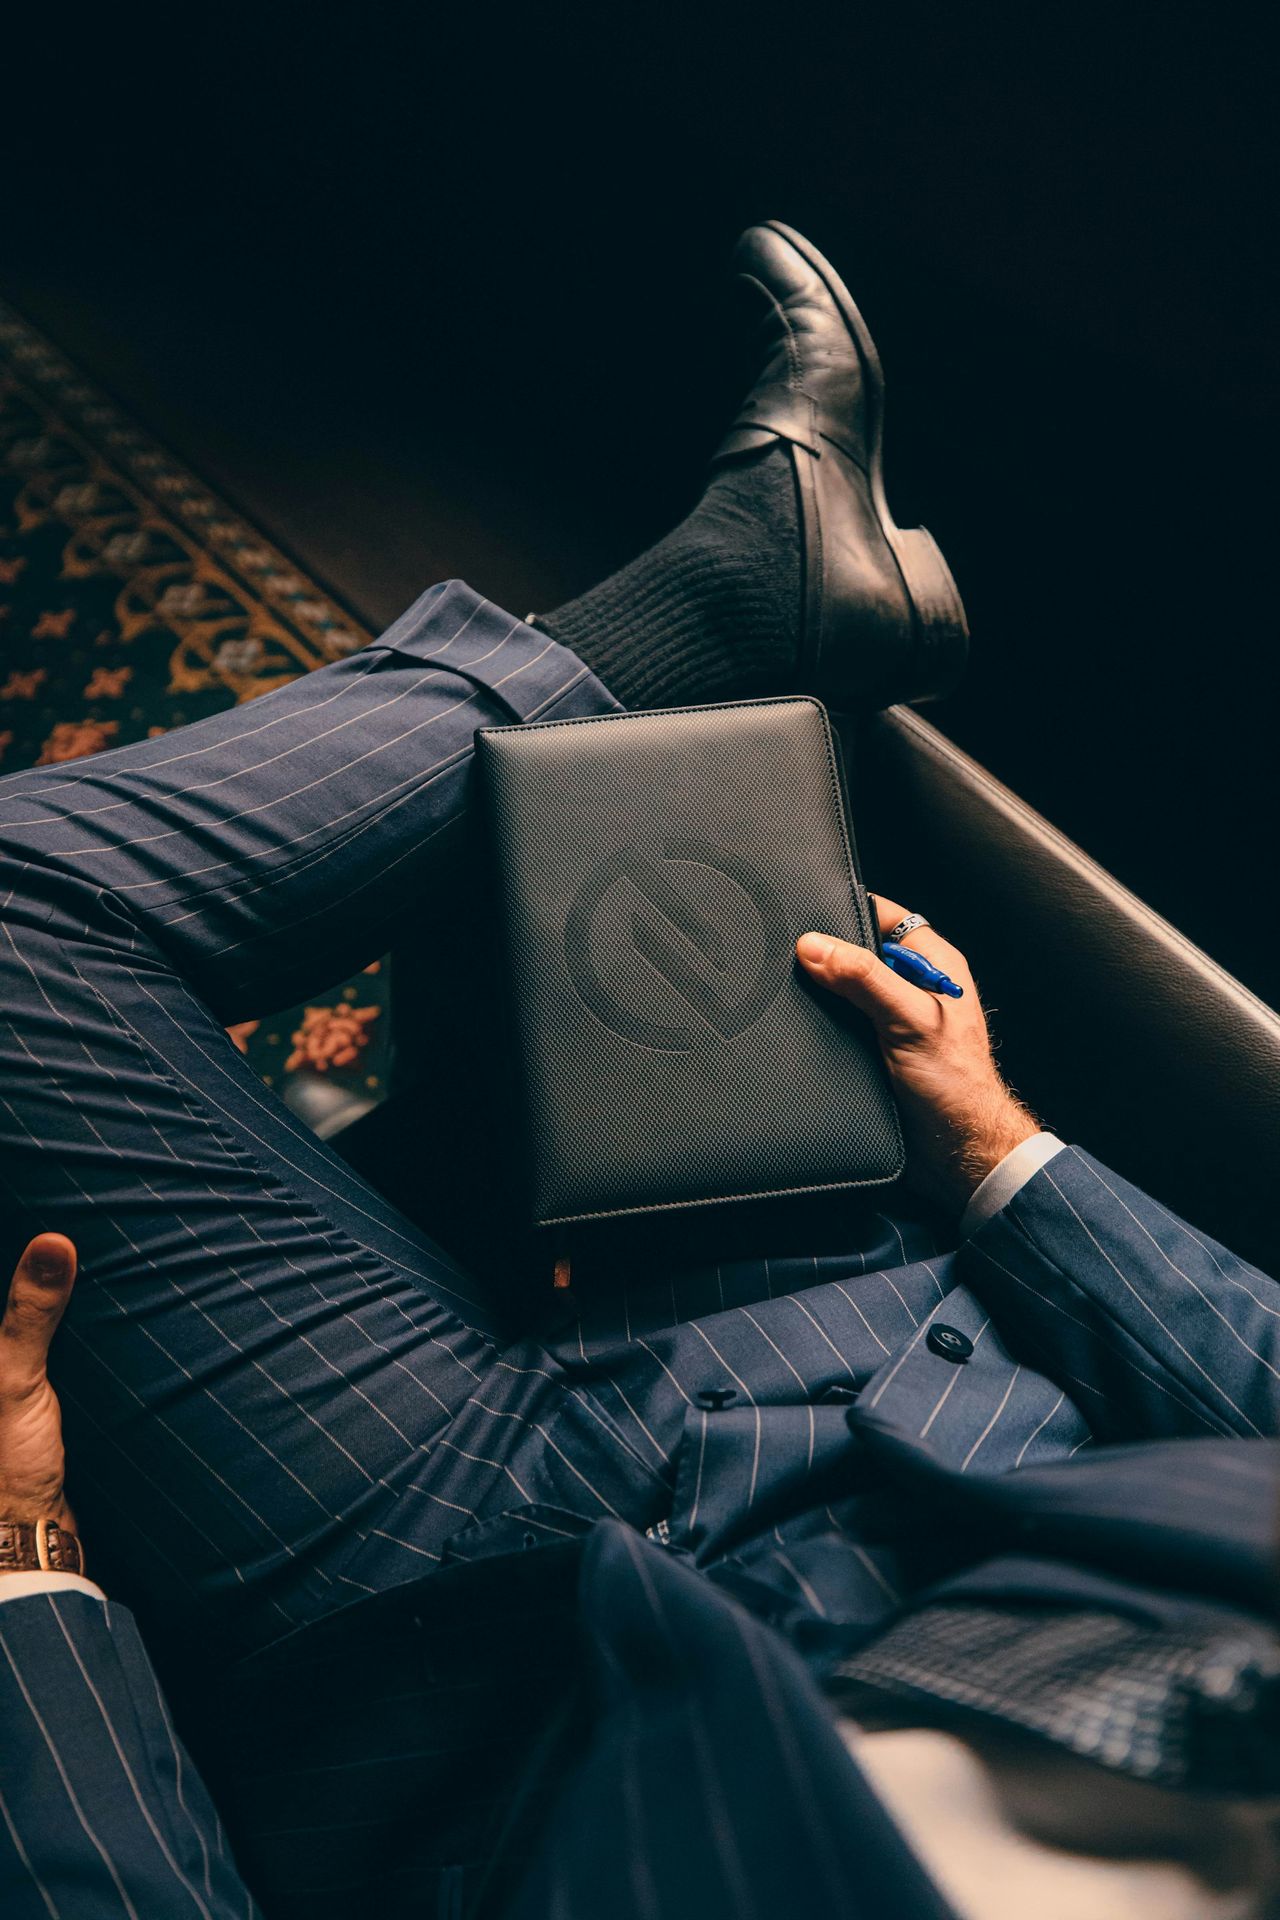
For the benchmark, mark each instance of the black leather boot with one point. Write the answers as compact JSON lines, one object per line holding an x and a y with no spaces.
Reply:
{"x":882,"y":620}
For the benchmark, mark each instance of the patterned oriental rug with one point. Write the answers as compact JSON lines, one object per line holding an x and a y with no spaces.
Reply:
{"x":132,"y":600}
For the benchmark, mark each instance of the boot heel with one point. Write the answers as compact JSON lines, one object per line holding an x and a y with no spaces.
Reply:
{"x":942,"y":627}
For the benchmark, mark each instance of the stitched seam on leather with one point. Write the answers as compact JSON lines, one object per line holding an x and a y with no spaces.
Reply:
{"x":631,"y":713}
{"x":809,"y":527}
{"x":717,"y":1199}
{"x":817,"y":575}
{"x":789,"y":339}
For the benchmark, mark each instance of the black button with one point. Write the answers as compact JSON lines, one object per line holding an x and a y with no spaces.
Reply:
{"x":714,"y":1398}
{"x":949,"y":1343}
{"x":837,"y":1396}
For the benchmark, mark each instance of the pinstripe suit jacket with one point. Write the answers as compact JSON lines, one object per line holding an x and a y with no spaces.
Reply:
{"x":569,"y":1717}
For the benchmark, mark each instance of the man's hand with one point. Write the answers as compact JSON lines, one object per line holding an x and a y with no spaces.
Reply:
{"x":958,"y":1116}
{"x":31,"y":1456}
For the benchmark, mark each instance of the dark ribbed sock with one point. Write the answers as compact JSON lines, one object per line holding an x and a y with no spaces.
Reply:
{"x":713,"y":611}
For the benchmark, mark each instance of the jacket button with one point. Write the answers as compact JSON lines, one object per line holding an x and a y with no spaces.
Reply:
{"x":712,"y":1399}
{"x":949,"y":1343}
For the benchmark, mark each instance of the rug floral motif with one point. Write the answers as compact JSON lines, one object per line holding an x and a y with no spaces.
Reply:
{"x":134,"y":600}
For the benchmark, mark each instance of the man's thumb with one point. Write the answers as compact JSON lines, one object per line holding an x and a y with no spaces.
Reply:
{"x":38,"y":1294}
{"x":51,"y":1260}
{"x":858,"y":975}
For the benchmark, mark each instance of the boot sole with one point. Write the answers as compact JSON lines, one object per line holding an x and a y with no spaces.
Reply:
{"x":926,"y":577}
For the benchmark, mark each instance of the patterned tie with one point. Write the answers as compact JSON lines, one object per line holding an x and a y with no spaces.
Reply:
{"x":1192,"y":1703}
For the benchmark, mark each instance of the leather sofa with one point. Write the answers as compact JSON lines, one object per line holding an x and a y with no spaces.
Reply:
{"x":1122,"y":1034}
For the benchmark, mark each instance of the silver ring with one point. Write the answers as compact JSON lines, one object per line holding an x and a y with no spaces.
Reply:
{"x":906,"y":926}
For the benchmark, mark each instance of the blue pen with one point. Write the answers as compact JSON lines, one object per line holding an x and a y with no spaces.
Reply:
{"x":920,"y":972}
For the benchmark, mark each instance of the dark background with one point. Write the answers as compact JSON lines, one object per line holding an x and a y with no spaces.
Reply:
{"x":433,"y":294}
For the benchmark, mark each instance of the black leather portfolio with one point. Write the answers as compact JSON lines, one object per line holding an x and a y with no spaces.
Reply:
{"x":654,"y":871}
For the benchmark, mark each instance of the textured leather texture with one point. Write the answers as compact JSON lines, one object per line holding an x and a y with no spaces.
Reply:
{"x":1122,"y":1034}
{"x":654,"y":872}
{"x":30,"y":1546}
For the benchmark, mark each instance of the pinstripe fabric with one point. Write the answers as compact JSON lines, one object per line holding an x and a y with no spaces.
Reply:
{"x":290,"y":1404}
{"x":123,"y":1825}
{"x":539,"y":1782}
{"x":260,"y":1346}
{"x":714,"y":1783}
{"x":1156,"y":1329}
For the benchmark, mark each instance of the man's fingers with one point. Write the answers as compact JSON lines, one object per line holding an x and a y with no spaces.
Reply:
{"x":888,"y":913}
{"x":925,"y":940}
{"x":860,"y":976}
{"x":38,"y":1295}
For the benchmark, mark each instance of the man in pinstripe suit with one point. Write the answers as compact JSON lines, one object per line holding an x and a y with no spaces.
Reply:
{"x":552,"y":1620}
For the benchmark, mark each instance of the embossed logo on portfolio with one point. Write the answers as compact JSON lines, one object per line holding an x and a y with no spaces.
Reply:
{"x":715,"y":943}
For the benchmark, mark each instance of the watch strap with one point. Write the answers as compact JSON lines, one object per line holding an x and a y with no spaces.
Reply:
{"x":38,"y":1546}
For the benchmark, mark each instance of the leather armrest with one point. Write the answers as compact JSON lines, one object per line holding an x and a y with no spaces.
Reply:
{"x":1121,"y":1034}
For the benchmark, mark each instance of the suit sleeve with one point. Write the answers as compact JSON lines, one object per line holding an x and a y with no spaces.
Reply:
{"x":1153,"y":1328}
{"x":101,"y":1811}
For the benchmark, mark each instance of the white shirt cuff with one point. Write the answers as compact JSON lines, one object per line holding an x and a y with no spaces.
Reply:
{"x":1004,"y":1180}
{"x":16,"y":1586}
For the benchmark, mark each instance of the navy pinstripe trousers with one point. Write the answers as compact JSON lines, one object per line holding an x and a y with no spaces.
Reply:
{"x":262,"y":1351}
{"x":278,"y":1390}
